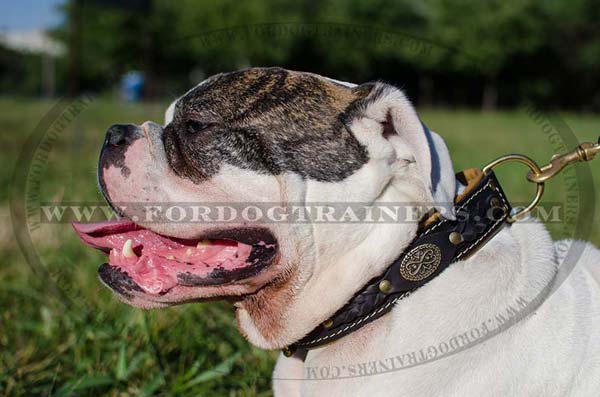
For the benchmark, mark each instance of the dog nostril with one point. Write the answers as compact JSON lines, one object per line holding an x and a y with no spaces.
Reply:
{"x":117,"y":135}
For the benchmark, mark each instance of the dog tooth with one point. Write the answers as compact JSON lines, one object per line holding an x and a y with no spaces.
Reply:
{"x":170,"y":257}
{"x":128,"y":250}
{"x":203,"y":243}
{"x":189,"y":251}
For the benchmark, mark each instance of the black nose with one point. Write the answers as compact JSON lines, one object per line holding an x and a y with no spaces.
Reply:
{"x":122,"y":134}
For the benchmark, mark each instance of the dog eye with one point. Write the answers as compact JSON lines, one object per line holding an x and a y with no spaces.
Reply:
{"x":193,"y":126}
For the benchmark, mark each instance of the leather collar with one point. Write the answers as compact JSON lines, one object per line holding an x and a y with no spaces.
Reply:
{"x":480,"y":214}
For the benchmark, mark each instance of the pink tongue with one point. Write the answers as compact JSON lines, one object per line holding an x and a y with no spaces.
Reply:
{"x":106,"y":227}
{"x":156,"y":260}
{"x":87,"y":231}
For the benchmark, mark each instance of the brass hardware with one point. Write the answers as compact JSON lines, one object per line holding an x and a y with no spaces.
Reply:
{"x":421,"y":262}
{"x":385,"y":286}
{"x":584,"y":152}
{"x":534,"y":168}
{"x":455,"y":238}
{"x":287,"y":351}
{"x":328,"y":323}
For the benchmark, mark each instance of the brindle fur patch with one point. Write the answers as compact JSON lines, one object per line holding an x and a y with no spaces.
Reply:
{"x":269,"y":120}
{"x":267,"y":307}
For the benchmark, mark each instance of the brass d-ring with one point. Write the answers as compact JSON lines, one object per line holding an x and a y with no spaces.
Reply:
{"x":535,"y":170}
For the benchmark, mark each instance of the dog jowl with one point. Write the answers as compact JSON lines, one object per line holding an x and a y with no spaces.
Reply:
{"x":274,"y":136}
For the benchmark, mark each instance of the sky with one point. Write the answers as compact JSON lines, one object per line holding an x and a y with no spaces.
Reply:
{"x":25,"y":15}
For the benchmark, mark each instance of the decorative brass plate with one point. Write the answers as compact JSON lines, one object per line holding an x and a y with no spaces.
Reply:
{"x":420,"y":262}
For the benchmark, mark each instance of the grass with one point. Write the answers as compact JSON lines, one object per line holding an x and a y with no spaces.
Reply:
{"x":83,"y":342}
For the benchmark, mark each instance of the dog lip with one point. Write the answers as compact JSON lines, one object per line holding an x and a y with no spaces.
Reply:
{"x":250,"y":235}
{"x":160,"y":273}
{"x":120,"y":282}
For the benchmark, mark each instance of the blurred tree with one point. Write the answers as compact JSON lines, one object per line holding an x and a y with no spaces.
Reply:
{"x":20,"y":72}
{"x":487,"y":34}
{"x":571,"y":38}
{"x":485,"y":53}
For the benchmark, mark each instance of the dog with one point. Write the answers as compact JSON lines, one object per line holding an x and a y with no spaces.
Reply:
{"x":269,"y":135}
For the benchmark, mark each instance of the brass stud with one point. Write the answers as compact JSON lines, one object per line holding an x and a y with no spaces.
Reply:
{"x":455,"y":238}
{"x":287,"y":351}
{"x":385,"y":286}
{"x":328,"y":323}
{"x":494,"y":202}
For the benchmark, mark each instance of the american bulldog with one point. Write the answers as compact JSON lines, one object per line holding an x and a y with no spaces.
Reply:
{"x":273,"y":136}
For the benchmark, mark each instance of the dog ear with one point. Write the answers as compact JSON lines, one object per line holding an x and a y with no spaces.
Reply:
{"x":389,"y":106}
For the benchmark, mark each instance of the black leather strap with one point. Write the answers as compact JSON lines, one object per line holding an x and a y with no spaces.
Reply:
{"x":479,"y":216}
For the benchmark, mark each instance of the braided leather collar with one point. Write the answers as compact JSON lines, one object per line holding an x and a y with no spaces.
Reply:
{"x":480,"y":214}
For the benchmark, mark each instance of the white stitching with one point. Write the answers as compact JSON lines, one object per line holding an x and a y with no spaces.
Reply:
{"x":461,"y":207}
{"x":486,"y":233}
{"x":404,"y":295}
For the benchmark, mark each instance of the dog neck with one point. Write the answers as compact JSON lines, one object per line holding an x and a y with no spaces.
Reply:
{"x":266,"y":310}
{"x":480,"y":213}
{"x":508,"y":277}
{"x":289,"y":308}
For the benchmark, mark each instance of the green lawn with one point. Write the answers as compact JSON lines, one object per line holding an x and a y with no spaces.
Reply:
{"x":84,"y":342}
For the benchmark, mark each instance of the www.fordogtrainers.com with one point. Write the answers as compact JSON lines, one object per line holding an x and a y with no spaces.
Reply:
{"x":265,"y":212}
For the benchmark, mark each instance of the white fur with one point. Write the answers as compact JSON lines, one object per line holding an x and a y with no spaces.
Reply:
{"x":340,"y":254}
{"x":554,"y":351}
{"x":170,"y":112}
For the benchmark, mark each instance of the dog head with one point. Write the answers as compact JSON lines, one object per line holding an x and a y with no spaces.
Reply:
{"x":276,"y":138}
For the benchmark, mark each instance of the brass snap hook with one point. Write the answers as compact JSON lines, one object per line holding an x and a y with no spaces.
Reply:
{"x":584,"y":152}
